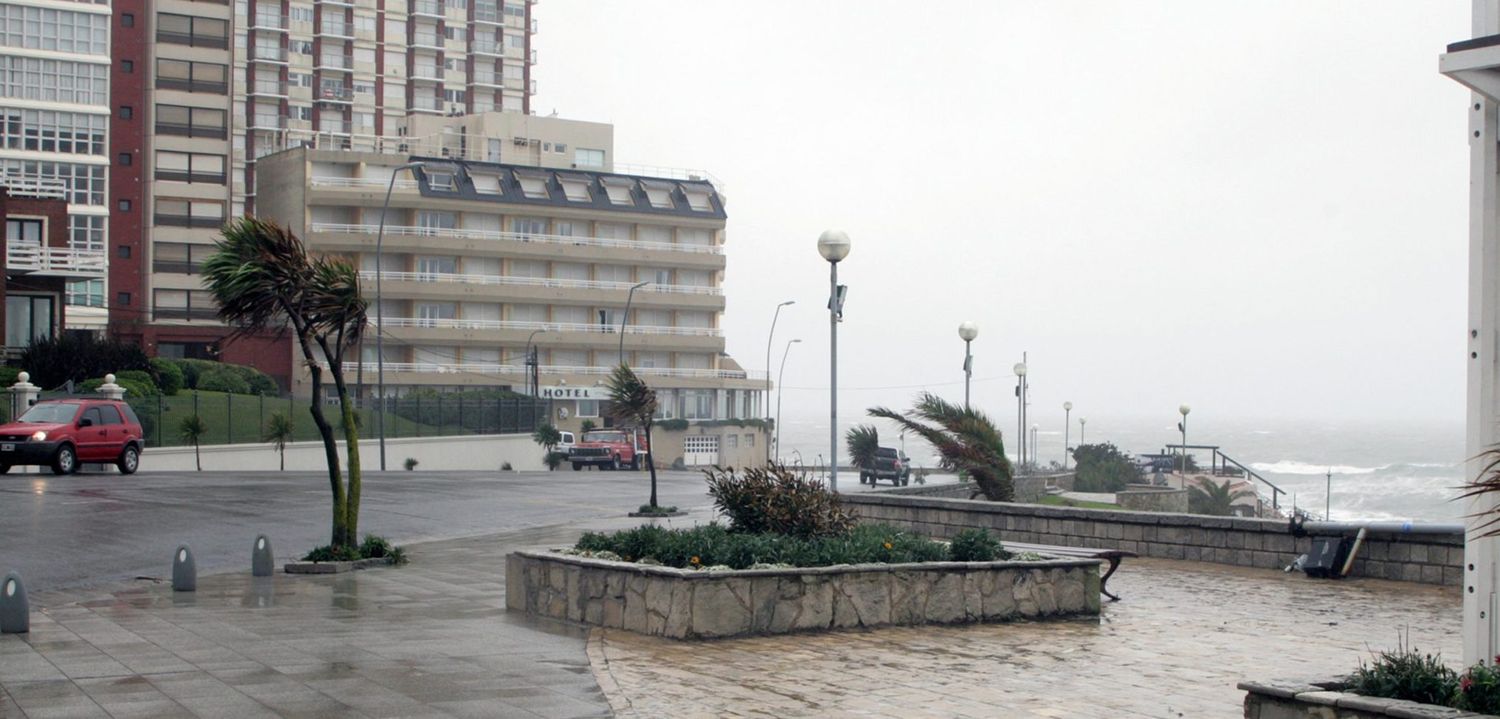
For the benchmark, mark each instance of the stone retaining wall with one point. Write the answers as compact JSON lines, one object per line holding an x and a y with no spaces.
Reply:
{"x":691,"y":604}
{"x":1427,"y":558}
{"x":1323,"y":700}
{"x":1153,"y":500}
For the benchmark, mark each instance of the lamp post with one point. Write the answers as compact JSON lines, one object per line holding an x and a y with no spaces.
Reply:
{"x":769,"y":337}
{"x":1020,"y":370}
{"x":779,"y":375}
{"x":531,"y":384}
{"x":833,"y":245}
{"x":967,"y":331}
{"x":1032,"y":445}
{"x":1082,"y":425}
{"x":1067,"y":431}
{"x":1184,"y":409}
{"x":625,"y":318}
{"x":380,"y":308}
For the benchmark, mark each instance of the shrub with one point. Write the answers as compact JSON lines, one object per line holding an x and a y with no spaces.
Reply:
{"x":505,"y":467}
{"x":222,"y":379}
{"x":648,"y":509}
{"x":330,"y":553}
{"x":145,"y":410}
{"x":410,"y":463}
{"x":137,"y":376}
{"x":77,"y":357}
{"x":1479,"y":690}
{"x":1405,"y":673}
{"x":714,"y":545}
{"x":776,"y":499}
{"x":553,"y":460}
{"x":975,"y":545}
{"x":8,"y":375}
{"x":191,"y":368}
{"x":1102,"y":468}
{"x":168,"y":376}
{"x":672,"y":425}
{"x":375,"y":547}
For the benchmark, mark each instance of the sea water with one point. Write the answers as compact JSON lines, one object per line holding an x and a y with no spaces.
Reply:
{"x":1378,"y":469}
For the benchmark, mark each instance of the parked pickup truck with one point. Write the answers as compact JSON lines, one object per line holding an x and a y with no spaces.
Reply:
{"x":609,"y":449}
{"x":889,"y":464}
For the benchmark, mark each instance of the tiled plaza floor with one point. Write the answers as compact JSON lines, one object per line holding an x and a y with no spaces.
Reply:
{"x":1175,"y":647}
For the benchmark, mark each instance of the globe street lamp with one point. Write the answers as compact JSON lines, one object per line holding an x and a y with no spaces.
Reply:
{"x":967,"y":331}
{"x":380,"y":307}
{"x":1020,"y":370}
{"x":833,"y":245}
{"x":779,"y":375}
{"x":625,"y":318}
{"x":1184,"y":409}
{"x":1067,"y":427}
{"x":1082,"y":421}
{"x":769,"y":337}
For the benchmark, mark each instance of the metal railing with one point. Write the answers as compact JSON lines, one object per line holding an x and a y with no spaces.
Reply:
{"x":362,"y":182}
{"x":1219,"y":466}
{"x":268,"y":21}
{"x":413,"y":231}
{"x":492,"y":368}
{"x":337,"y":28}
{"x":269,"y":86}
{"x":429,"y":72}
{"x":335,"y":62}
{"x":427,"y":7}
{"x":578,"y":327}
{"x":486,"y":46}
{"x":536,"y":282}
{"x":35,"y":187}
{"x":62,"y":261}
{"x":267,"y":54}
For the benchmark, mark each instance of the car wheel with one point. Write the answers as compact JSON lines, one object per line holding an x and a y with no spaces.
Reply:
{"x":635,"y":463}
{"x":65,"y":461}
{"x":130,"y":460}
{"x":615,"y":465}
{"x":577,"y":466}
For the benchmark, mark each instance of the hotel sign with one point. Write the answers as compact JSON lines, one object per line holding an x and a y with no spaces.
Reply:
{"x":573,"y":393}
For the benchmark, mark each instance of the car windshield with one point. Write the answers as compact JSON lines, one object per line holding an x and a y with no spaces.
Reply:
{"x":883,"y":452}
{"x":604,"y":437}
{"x":49,"y":413}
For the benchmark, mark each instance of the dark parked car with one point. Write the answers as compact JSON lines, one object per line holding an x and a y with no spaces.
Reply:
{"x":889,"y":464}
{"x":65,"y":433}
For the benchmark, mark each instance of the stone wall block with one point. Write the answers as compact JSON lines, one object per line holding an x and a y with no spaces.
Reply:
{"x":721,"y":608}
{"x":765,"y":597}
{"x":1400,"y":551}
{"x":973,"y":597}
{"x":1419,"y":553}
{"x":1131,"y":532}
{"x":679,"y":622}
{"x":909,"y":594}
{"x":945,"y":600}
{"x":1023,"y":591}
{"x":999,"y":600}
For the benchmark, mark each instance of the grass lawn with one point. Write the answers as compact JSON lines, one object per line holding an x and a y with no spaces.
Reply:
{"x":1056,"y":501}
{"x":238,"y":419}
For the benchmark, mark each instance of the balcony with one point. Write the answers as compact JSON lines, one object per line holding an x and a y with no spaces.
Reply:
{"x":21,"y":258}
{"x":428,"y":8}
{"x":336,"y":28}
{"x":486,"y":46}
{"x":489,"y":15}
{"x":267,"y":122}
{"x":511,"y":281}
{"x":487,"y":79}
{"x":274,"y":55}
{"x":350,"y":182}
{"x":335,"y":128}
{"x":339,"y":3}
{"x":426,"y":103}
{"x":335,"y":94}
{"x":264,"y":87}
{"x":587,"y":328}
{"x":518,"y":370}
{"x":334,"y":62}
{"x":455,"y":233}
{"x":427,"y":40}
{"x":187,"y":85}
{"x":184,"y":313}
{"x":268,"y":21}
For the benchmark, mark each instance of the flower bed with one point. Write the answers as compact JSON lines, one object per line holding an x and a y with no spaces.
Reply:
{"x":700,"y":603}
{"x":1317,"y":700}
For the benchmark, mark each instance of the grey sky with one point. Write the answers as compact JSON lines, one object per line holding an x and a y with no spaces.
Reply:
{"x":1259,"y":209}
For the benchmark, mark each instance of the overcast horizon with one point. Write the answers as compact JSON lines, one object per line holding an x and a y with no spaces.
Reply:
{"x":1261,"y":211}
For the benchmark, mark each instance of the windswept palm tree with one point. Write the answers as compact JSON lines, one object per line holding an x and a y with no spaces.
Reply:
{"x":191,"y":429}
{"x":279,"y":430}
{"x":633,"y":404}
{"x":264,"y":280}
{"x":862,"y":440}
{"x":1208,"y":497}
{"x":965,"y":439}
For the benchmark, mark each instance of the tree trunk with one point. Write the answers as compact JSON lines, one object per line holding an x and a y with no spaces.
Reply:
{"x":351,"y":441}
{"x":282,"y":451}
{"x":340,"y":535}
{"x":651,"y":463}
{"x":197,"y":458}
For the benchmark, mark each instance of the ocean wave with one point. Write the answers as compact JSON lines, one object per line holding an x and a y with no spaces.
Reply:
{"x":1288,"y":466}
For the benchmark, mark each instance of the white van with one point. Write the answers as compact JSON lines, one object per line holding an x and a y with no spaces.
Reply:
{"x":566,"y":445}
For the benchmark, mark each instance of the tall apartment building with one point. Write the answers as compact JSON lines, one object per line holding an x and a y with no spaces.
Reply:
{"x":203,"y":89}
{"x":485,"y":256}
{"x":54,"y":111}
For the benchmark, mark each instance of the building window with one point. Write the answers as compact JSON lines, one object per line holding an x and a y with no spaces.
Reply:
{"x":123,"y":252}
{"x":72,"y":133}
{"x":24,"y":231}
{"x":183,"y":305}
{"x":28,"y":318}
{"x":191,"y":121}
{"x":122,"y":299}
{"x":124,"y":205}
{"x":210,"y":77}
{"x":86,"y":232}
{"x":125,"y":158}
{"x":126,"y":112}
{"x":189,"y":213}
{"x":31,"y":78}
{"x":533,"y":184}
{"x":588,"y":408}
{"x":583,"y":157}
{"x":36,"y":28}
{"x":189,"y":167}
{"x":86,"y":293}
{"x":659,"y":194}
{"x":731,"y":441}
{"x":127,"y":67}
{"x":180,"y":258}
{"x":192,"y":31}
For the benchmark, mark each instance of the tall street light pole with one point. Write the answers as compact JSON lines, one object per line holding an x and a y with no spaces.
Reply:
{"x":625,"y":318}
{"x":1082,"y":425}
{"x":380,"y":309}
{"x":779,"y":375}
{"x":1184,"y":409}
{"x":1067,"y":431}
{"x":1020,"y":370}
{"x":967,"y":331}
{"x":532,"y":386}
{"x":833,"y":245}
{"x":767,"y":400}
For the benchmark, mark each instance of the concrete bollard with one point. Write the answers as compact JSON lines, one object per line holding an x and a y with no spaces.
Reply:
{"x":15,"y":613}
{"x":184,"y":571}
{"x":262,"y":561}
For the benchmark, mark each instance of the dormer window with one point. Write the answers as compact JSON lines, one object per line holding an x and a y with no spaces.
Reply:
{"x":441,"y":178}
{"x":699,"y":197}
{"x":533,"y":184}
{"x":485,"y":183}
{"x":575,"y":187}
{"x":659,"y":194}
{"x":618,"y":190}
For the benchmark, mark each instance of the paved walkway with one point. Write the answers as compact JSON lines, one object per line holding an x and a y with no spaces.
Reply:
{"x":1175,"y":647}
{"x":433,"y":639}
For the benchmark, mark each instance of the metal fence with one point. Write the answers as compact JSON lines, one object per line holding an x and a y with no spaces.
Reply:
{"x":241,"y":419}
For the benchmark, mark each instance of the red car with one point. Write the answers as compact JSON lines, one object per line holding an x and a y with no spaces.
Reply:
{"x":65,"y":433}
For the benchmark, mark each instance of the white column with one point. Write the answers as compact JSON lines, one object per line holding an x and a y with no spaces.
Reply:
{"x":23,"y":394}
{"x":110,"y":390}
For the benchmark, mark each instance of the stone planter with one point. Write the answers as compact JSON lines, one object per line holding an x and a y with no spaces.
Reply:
{"x":1326,"y":700}
{"x":335,"y":567}
{"x":691,"y":604}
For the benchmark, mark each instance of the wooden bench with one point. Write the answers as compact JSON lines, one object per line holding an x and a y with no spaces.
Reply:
{"x":1113,"y":556}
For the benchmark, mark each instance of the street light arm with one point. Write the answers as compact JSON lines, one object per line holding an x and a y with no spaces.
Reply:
{"x":380,"y":307}
{"x":625,"y":318}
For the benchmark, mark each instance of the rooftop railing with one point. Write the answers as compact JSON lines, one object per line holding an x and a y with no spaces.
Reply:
{"x":464,"y":234}
{"x":467,"y":279}
{"x":523,"y":326}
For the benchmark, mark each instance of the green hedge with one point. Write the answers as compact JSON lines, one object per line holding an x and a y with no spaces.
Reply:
{"x":715,"y":545}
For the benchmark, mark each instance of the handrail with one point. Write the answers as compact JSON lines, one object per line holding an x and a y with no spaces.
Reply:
{"x":21,"y":257}
{"x":1276,"y":491}
{"x":465,"y":324}
{"x":362,"y":182}
{"x":468,"y":279}
{"x":464,"y":234}
{"x":496,"y":368}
